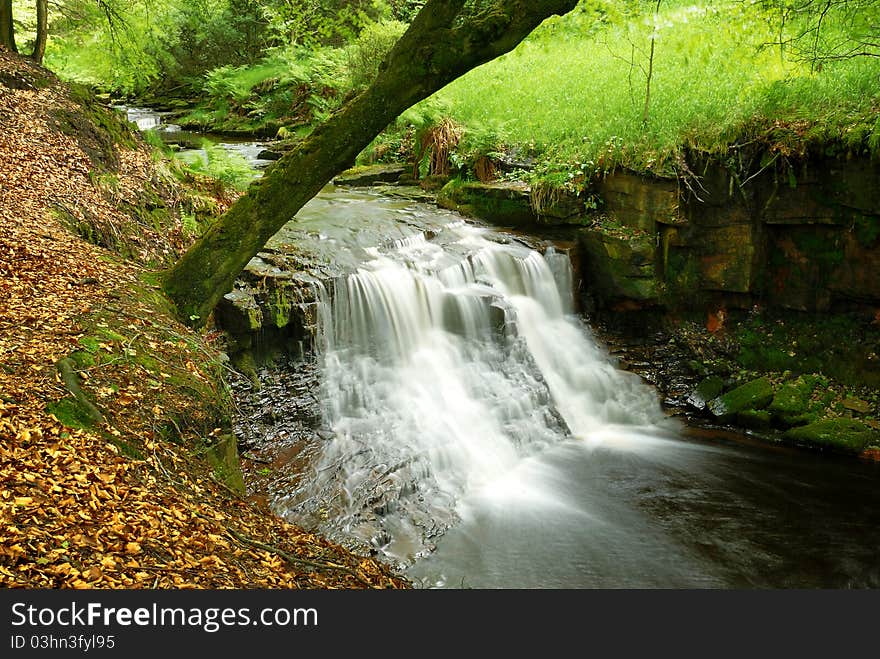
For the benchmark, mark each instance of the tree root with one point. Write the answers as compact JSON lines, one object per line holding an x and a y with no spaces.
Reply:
{"x":294,"y":560}
{"x":67,"y":370}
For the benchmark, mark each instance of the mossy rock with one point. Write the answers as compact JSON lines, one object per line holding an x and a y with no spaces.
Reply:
{"x":754,"y":395}
{"x":503,"y":203}
{"x":619,"y":265}
{"x":84,"y":359}
{"x":367,"y":175}
{"x":754,"y":419}
{"x":72,"y":413}
{"x":792,"y":399}
{"x":709,"y":389}
{"x":842,"y":434}
{"x":223,"y":456}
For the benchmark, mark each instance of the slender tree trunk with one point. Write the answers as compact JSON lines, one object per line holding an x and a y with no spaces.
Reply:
{"x":649,"y":76}
{"x":42,"y":31}
{"x":443,"y":42}
{"x":7,"y":28}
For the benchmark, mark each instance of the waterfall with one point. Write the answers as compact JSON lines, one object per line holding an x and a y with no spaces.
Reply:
{"x":446,"y":362}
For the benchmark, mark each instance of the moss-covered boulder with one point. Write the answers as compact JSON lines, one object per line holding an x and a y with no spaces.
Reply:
{"x":754,"y":395}
{"x":842,"y":434}
{"x":755,"y":419}
{"x":505,"y":203}
{"x":709,"y":389}
{"x":792,"y":404}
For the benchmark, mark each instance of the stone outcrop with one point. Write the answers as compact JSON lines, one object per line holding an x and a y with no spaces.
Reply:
{"x":802,"y":237}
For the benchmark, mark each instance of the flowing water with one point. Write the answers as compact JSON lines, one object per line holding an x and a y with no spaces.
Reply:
{"x":482,"y":437}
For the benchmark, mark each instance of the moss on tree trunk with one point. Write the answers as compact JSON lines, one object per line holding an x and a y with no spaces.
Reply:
{"x":444,"y":41}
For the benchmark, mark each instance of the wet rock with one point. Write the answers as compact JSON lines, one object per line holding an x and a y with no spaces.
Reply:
{"x":639,"y":202}
{"x":239,"y":313}
{"x":619,"y":264}
{"x":269,"y":154}
{"x":754,"y":395}
{"x":709,"y":389}
{"x":505,"y":203}
{"x":370,"y":175}
{"x":561,"y":205}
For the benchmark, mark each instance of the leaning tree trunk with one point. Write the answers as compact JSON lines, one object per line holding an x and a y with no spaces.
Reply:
{"x":443,"y":42}
{"x":7,"y":28}
{"x":42,"y":31}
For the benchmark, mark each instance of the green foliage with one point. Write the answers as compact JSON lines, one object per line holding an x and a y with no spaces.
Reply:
{"x":574,"y":91}
{"x":293,"y":85}
{"x":230,"y":169}
{"x":366,"y":53}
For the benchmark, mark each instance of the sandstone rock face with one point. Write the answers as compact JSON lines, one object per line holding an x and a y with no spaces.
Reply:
{"x":806,"y":239}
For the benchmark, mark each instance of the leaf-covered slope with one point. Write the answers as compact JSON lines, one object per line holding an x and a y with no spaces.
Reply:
{"x":126,"y":500}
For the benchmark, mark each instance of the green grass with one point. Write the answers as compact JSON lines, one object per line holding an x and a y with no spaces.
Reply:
{"x":576,"y":97}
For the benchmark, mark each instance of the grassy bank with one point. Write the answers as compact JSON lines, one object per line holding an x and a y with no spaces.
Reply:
{"x":577,"y":96}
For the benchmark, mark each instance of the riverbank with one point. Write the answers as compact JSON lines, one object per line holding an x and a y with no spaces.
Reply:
{"x":118,"y":464}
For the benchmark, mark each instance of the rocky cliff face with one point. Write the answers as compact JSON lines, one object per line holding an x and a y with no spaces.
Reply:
{"x":805,"y":238}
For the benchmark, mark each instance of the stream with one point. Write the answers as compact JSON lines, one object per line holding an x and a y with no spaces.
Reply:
{"x":461,"y":421}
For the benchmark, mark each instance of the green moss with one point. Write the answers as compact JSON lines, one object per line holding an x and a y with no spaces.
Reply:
{"x":245,"y":364}
{"x":792,"y":399}
{"x":682,"y":278}
{"x":109,"y":335}
{"x":754,"y":395}
{"x":90,"y":343}
{"x":83,"y":359}
{"x":499,"y":204}
{"x":755,"y":419}
{"x":841,"y":434}
{"x":127,"y":449}
{"x":280,"y":307}
{"x":71,"y":413}
{"x":223,"y":457}
{"x":866,"y":229}
{"x":820,"y":246}
{"x":145,"y":360}
{"x":98,"y":130}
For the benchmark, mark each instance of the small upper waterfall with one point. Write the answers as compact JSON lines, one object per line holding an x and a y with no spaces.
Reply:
{"x":446,"y":361}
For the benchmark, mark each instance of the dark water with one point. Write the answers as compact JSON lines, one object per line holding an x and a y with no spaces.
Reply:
{"x":688,"y":511}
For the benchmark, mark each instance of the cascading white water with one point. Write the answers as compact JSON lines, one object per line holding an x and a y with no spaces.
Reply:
{"x":445,"y":364}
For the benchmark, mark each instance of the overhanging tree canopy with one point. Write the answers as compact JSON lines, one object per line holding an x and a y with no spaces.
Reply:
{"x":446,"y":39}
